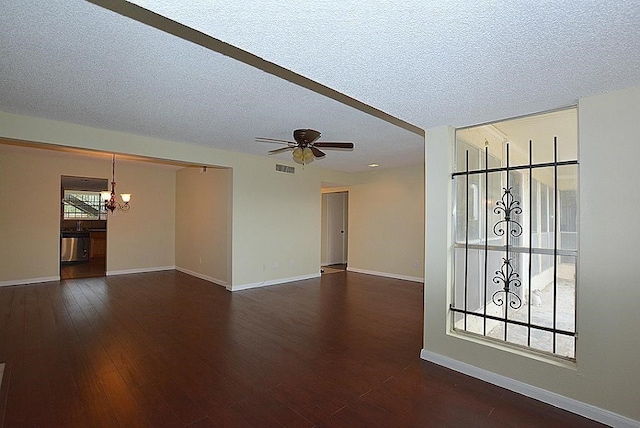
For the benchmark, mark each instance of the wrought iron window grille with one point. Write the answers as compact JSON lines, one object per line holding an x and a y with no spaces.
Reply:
{"x":508,"y":227}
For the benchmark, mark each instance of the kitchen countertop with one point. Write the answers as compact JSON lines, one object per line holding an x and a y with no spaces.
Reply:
{"x":74,"y":233}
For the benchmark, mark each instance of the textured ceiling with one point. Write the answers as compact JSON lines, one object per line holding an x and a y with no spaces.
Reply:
{"x":433,"y":63}
{"x":426,"y":63}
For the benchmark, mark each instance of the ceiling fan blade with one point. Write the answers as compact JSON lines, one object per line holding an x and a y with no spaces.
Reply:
{"x":312,"y":135}
{"x":283,"y":149}
{"x":317,"y":153}
{"x":335,"y":145}
{"x":272,"y":140}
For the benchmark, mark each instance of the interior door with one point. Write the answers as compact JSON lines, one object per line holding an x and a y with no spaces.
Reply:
{"x":336,"y":227}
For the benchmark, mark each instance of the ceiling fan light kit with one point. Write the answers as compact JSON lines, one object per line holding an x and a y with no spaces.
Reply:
{"x":305,"y":148}
{"x":302,"y":155}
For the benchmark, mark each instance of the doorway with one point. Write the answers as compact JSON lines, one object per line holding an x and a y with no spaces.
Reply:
{"x":334,"y":240}
{"x":83,"y":227}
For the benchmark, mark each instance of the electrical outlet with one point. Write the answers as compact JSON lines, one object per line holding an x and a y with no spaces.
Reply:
{"x":275,"y":266}
{"x":200,"y":259}
{"x":416,"y":263}
{"x":264,"y":266}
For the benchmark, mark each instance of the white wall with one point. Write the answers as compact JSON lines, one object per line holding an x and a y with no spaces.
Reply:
{"x":142,"y":238}
{"x":607,"y":373}
{"x":386,"y":222}
{"x":203,"y":223}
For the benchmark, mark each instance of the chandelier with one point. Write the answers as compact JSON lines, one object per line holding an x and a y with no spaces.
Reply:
{"x":109,"y":199}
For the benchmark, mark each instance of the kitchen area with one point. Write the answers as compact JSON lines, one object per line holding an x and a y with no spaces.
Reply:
{"x":83,"y":227}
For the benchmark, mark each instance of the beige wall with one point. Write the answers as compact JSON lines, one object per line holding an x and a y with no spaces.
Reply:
{"x":203,"y":223}
{"x":275,"y":220}
{"x":386,"y":222}
{"x":275,"y":225}
{"x":30,"y":229}
{"x":606,"y":374}
{"x":144,"y":237}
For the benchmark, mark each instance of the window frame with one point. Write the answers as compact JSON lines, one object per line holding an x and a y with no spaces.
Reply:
{"x":552,"y":223}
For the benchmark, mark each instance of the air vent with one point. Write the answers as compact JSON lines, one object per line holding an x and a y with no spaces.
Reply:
{"x":285,"y":168}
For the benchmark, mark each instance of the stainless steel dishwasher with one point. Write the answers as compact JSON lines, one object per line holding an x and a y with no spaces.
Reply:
{"x":74,"y":246}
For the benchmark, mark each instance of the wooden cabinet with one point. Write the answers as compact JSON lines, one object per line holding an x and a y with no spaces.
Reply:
{"x":98,"y":248}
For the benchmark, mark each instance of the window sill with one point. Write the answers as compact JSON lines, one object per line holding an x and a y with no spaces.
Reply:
{"x":516,"y":349}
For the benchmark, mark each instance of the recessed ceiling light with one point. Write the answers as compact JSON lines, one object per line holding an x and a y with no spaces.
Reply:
{"x":373,"y":165}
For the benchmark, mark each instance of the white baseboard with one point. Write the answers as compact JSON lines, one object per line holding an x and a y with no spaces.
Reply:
{"x":271,"y":282}
{"x":201,"y":276}
{"x":574,"y":406}
{"x":29,"y":281}
{"x":386,"y":275}
{"x":139,"y":270}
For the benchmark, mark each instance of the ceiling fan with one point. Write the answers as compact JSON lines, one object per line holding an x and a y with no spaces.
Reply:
{"x":305,"y":147}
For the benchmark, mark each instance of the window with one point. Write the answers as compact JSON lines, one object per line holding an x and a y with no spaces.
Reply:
{"x":515,"y":232}
{"x":82,"y":205}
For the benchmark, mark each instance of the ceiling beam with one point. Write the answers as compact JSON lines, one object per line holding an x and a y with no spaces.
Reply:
{"x":184,"y":32}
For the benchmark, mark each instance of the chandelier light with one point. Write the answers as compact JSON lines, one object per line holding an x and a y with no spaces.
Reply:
{"x":109,"y":199}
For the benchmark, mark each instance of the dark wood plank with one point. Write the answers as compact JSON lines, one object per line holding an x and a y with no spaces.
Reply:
{"x":13,"y":323}
{"x":168,"y":349}
{"x":4,"y":388}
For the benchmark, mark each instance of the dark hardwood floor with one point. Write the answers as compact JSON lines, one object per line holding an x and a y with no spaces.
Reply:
{"x":165,"y":349}
{"x":91,"y":268}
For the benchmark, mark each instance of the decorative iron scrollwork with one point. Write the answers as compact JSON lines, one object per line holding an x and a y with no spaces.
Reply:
{"x":508,"y":278}
{"x":508,"y":206}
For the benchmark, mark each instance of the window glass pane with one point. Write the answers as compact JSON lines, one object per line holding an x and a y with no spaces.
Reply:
{"x":82,"y":205}
{"x":477,"y":297}
{"x":482,"y":203}
{"x":566,"y":298}
{"x":495,"y":195}
{"x":462,"y":148}
{"x":542,"y":340}
{"x":544,"y":214}
{"x":468,"y":215}
{"x":542,"y":296}
{"x":535,"y":213}
{"x":460,"y":208}
{"x":568,"y":207}
{"x":494,"y":162}
{"x":539,"y":129}
{"x":475,"y":143}
{"x":565,"y":346}
{"x":517,"y":334}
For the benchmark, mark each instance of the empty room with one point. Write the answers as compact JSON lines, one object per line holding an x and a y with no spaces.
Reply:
{"x":334,"y":214}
